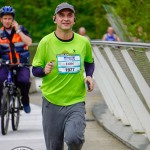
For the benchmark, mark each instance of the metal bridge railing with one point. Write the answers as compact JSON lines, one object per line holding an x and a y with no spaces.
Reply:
{"x":122,"y":74}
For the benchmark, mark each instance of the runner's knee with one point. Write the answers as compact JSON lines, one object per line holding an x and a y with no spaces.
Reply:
{"x":74,"y":136}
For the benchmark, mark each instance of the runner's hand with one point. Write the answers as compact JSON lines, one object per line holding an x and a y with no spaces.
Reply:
{"x":48,"y":68}
{"x":91,"y":82}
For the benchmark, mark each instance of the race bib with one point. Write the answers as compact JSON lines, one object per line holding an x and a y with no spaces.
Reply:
{"x":68,"y":64}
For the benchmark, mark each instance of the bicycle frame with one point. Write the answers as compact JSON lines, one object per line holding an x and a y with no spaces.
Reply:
{"x":10,"y":81}
{"x":11,"y":103}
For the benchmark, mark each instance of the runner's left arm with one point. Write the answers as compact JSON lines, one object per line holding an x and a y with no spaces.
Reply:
{"x":89,"y":68}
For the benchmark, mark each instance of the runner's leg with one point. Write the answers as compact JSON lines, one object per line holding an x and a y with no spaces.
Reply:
{"x":53,"y":125}
{"x":75,"y":126}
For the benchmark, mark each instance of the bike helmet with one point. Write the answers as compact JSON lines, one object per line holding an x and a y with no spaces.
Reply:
{"x":6,"y":10}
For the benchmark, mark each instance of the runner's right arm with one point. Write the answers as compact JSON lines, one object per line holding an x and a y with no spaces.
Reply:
{"x":41,"y":72}
{"x":38,"y":72}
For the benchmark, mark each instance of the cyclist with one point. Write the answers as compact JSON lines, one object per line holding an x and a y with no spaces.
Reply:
{"x":14,"y":42}
{"x":59,"y":60}
{"x":110,"y":35}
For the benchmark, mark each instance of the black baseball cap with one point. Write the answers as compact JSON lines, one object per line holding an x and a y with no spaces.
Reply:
{"x":64,"y":6}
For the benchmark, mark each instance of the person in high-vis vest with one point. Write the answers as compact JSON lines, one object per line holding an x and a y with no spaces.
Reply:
{"x":14,"y":42}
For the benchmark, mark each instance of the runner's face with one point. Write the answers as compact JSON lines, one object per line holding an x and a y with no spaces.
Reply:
{"x":65,"y":19}
{"x":7,"y":21}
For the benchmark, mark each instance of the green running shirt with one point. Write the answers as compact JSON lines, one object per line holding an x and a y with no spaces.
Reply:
{"x":65,"y":84}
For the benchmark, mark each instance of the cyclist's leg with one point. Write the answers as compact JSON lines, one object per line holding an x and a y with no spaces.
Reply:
{"x":75,"y":126}
{"x":3,"y":77}
{"x":23,"y":81}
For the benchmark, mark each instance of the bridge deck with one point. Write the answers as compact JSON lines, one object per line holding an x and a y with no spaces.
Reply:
{"x":30,"y":132}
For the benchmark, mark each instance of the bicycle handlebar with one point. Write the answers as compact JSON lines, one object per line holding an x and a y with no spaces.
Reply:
{"x":7,"y":63}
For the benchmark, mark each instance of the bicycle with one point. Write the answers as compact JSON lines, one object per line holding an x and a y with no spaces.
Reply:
{"x":11,"y":99}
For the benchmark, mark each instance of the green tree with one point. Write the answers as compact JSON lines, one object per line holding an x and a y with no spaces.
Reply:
{"x":134,"y":14}
{"x":37,"y":15}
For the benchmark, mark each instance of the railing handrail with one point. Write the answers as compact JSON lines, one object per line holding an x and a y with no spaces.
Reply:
{"x":34,"y":44}
{"x":115,"y":43}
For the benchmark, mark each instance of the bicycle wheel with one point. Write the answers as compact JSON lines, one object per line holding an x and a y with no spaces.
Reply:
{"x":16,"y":107}
{"x":5,"y":110}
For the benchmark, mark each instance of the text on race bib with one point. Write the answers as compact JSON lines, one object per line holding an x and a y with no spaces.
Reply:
{"x":68,"y":64}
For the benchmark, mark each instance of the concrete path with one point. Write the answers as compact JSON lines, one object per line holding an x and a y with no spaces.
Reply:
{"x":30,"y":132}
